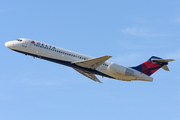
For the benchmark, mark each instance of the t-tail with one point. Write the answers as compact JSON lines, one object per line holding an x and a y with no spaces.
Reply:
{"x":152,"y":65}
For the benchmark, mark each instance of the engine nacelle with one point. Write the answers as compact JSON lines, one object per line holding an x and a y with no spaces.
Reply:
{"x":124,"y":73}
{"x":120,"y":70}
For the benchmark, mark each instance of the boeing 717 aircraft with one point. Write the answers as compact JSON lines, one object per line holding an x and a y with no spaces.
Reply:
{"x":87,"y":65}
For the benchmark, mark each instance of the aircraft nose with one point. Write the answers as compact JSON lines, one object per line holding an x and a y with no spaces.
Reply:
{"x":8,"y":44}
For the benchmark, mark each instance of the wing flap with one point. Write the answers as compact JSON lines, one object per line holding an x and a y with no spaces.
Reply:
{"x":92,"y":63}
{"x":89,"y":75}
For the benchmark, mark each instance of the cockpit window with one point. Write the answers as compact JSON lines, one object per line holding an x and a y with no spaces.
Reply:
{"x":19,"y":40}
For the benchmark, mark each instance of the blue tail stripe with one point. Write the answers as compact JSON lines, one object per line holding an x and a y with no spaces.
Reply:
{"x":138,"y":68}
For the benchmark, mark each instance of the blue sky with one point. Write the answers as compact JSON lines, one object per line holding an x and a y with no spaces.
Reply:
{"x":130,"y":31}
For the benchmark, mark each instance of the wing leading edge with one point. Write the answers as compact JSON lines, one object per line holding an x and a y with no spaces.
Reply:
{"x":92,"y":63}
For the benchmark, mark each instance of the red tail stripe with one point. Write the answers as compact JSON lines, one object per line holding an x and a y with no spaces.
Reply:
{"x":152,"y":71}
{"x":148,"y":65}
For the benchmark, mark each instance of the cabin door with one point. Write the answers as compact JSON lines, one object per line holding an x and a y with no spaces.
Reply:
{"x":24,"y":44}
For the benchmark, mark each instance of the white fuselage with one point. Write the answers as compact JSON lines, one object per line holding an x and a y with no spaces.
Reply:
{"x":67,"y":57}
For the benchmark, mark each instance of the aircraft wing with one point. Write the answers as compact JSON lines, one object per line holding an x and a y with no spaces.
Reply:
{"x":92,"y":63}
{"x":89,"y":75}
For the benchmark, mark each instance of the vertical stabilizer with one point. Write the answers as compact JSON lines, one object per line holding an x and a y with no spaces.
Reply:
{"x":152,"y":65}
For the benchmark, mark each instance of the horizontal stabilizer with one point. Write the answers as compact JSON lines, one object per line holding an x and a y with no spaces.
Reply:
{"x":92,"y":63}
{"x":162,"y":60}
{"x":89,"y":75}
{"x":165,"y":67}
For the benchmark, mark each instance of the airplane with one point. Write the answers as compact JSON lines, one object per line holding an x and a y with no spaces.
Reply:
{"x":87,"y":65}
